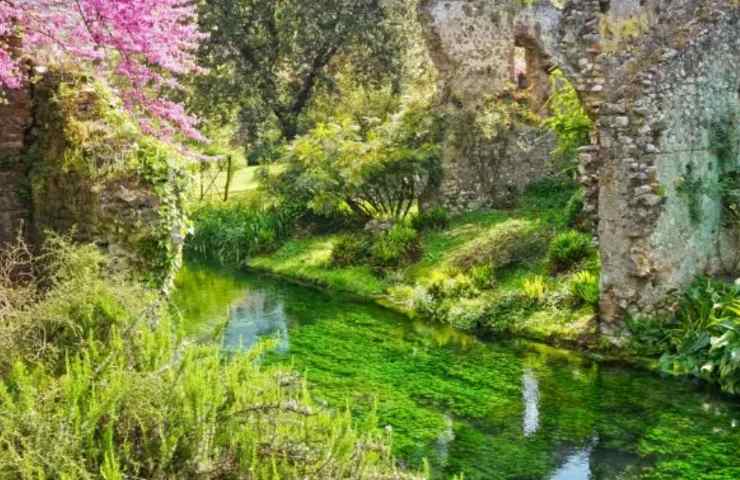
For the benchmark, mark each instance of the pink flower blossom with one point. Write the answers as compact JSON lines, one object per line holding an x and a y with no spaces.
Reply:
{"x":143,"y":44}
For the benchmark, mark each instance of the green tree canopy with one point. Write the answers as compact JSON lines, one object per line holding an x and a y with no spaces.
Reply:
{"x":267,"y":58}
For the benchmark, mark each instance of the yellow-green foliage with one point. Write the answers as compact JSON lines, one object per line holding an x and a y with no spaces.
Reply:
{"x":94,"y":385}
{"x":535,"y":288}
{"x":584,"y":287}
{"x":94,"y":170}
{"x":100,"y":139}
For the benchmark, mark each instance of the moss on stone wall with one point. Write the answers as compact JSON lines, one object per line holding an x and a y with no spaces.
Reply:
{"x":96,"y":177}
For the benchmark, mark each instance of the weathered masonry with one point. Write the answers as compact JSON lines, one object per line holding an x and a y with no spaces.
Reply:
{"x":661,"y":80}
{"x":59,"y":172}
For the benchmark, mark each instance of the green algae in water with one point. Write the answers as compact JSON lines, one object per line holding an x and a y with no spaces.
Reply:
{"x":491,"y":411}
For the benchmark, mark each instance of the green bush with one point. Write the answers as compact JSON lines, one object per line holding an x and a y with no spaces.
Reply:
{"x":350,"y":249}
{"x":703,"y":339}
{"x":568,"y":119}
{"x":381,"y":170}
{"x":509,"y":243}
{"x":230,"y":233}
{"x":483,"y":277}
{"x":574,"y":209}
{"x":437,"y":218}
{"x":398,"y":246}
{"x":504,"y":311}
{"x":440,"y":299}
{"x":93,"y":384}
{"x":584,"y":288}
{"x":467,"y":313}
{"x":535,"y":289}
{"x":568,"y":249}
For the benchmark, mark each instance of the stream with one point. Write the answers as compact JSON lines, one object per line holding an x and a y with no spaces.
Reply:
{"x":489,"y":410}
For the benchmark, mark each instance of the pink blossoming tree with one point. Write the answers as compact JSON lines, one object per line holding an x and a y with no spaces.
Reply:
{"x":143,"y":45}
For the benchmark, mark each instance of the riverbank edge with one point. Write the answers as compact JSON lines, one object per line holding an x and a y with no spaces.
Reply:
{"x":590,"y":351}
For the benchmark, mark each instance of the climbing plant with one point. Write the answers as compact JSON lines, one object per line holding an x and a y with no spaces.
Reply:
{"x":725,"y":145}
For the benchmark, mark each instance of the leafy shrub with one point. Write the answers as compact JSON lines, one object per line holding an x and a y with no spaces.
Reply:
{"x":397,"y":246}
{"x":467,"y":313}
{"x":704,"y":338}
{"x":437,"y":218}
{"x":483,"y":277}
{"x":574,"y":209}
{"x":441,"y":294}
{"x":504,"y":311}
{"x":94,"y":385}
{"x":535,"y":288}
{"x":441,"y":285}
{"x":350,"y":249}
{"x":378,"y":171}
{"x":567,"y":249}
{"x":509,"y":243}
{"x":584,"y":288}
{"x":229,"y":233}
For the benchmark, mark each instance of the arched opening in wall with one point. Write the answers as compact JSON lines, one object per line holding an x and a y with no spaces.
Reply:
{"x":531,"y":73}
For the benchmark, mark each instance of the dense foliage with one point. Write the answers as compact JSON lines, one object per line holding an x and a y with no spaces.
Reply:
{"x":702,"y":339}
{"x":567,"y":118}
{"x":380,"y":170}
{"x":95,"y":385}
{"x":231,"y":233}
{"x":267,"y":59}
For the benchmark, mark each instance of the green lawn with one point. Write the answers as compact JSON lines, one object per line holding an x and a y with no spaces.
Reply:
{"x":243,"y":183}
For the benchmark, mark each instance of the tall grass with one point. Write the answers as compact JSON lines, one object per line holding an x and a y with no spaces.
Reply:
{"x":230,"y":233}
{"x":94,"y":385}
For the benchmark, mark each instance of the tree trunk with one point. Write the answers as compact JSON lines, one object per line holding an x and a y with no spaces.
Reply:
{"x":229,"y":177}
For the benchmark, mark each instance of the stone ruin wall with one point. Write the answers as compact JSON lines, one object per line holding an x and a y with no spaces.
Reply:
{"x":654,"y":75}
{"x":472,"y":45}
{"x":667,"y":88}
{"x":15,"y":121}
{"x":126,"y":217}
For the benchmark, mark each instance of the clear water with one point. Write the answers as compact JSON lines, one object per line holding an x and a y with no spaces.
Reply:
{"x":509,"y":410}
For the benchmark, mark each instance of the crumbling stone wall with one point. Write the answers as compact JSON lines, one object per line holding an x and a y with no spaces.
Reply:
{"x":657,"y":77}
{"x":473,"y":46}
{"x":53,"y":182}
{"x":671,"y":83}
{"x":15,"y":120}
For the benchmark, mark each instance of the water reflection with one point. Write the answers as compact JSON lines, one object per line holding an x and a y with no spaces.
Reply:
{"x":577,"y":466}
{"x":446,"y":437}
{"x":258,"y":316}
{"x":531,"y":398}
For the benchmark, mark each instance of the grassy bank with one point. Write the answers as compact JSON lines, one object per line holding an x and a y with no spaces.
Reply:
{"x":464,"y":262}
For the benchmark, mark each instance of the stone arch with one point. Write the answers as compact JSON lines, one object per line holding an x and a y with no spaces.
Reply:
{"x":654,"y":75}
{"x":535,"y":77}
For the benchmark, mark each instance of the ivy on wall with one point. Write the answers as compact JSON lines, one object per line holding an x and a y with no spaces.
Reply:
{"x":95,"y":174}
